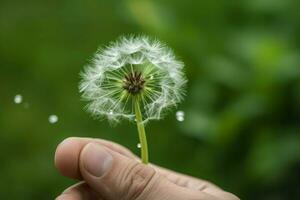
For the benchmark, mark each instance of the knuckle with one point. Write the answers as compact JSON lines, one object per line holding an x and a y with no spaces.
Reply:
{"x":139,"y":179}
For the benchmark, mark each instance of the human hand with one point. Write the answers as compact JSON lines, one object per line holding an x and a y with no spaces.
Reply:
{"x":110,"y":171}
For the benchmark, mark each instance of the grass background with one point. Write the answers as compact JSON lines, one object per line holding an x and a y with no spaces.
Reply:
{"x":242,"y":109}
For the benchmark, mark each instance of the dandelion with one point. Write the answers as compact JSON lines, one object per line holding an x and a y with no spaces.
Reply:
{"x":134,"y":78}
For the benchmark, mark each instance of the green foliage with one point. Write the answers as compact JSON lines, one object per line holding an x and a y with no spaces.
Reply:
{"x":242,"y":109}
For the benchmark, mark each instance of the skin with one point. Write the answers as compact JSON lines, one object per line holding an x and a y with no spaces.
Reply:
{"x":125,"y":177}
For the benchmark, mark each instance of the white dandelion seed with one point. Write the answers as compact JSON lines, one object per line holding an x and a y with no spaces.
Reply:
{"x":138,"y":145}
{"x":18,"y":99}
{"x":180,"y":116}
{"x":132,"y":67}
{"x":53,"y":119}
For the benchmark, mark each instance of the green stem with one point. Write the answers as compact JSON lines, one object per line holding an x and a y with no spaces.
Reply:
{"x":141,"y":130}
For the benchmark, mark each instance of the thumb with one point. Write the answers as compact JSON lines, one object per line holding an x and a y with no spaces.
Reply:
{"x":116,"y":177}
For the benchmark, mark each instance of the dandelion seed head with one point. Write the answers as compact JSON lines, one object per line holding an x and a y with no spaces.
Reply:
{"x":132,"y":67}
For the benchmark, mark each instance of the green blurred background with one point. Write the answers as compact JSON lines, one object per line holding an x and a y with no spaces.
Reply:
{"x":242,"y":109}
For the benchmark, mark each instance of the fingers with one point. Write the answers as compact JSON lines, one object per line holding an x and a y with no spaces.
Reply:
{"x":67,"y":155}
{"x":220,"y":194}
{"x":184,"y":180}
{"x":79,"y":191}
{"x":67,"y":161}
{"x":68,"y":151}
{"x":115,"y":177}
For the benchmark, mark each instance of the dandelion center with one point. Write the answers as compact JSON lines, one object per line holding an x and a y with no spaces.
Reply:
{"x":133,"y":82}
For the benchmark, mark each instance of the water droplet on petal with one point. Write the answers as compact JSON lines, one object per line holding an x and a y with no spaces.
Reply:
{"x":18,"y":99}
{"x":139,"y":145}
{"x":180,"y":116}
{"x":52,"y":119}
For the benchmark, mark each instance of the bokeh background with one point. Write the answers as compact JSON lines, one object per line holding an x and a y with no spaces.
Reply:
{"x":241,"y":127}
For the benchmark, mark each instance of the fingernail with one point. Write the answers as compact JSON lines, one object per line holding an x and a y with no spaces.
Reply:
{"x":96,"y":160}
